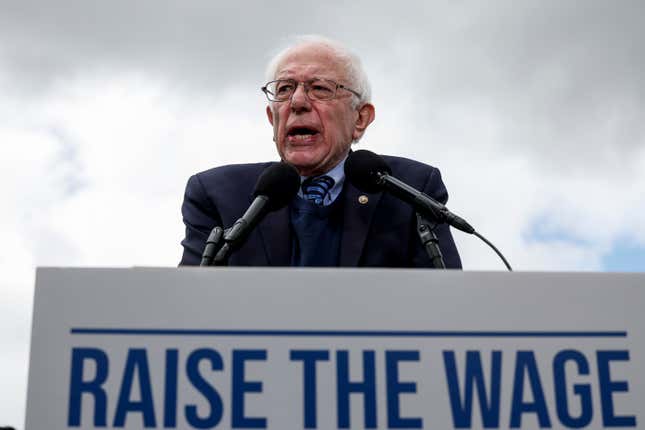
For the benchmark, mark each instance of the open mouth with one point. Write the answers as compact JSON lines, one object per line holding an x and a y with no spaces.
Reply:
{"x":302,"y":133}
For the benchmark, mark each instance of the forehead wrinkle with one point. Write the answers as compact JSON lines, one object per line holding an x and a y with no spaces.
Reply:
{"x":309,"y":71}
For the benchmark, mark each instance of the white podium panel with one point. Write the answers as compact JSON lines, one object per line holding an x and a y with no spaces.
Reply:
{"x":287,"y":349}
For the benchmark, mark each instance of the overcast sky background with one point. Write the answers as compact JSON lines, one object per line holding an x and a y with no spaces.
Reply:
{"x":533,"y":110}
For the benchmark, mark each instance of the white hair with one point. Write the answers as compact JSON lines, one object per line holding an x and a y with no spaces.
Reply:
{"x":353,"y":68}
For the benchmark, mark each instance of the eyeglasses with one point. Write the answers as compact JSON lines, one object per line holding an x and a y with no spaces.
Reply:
{"x":282,"y":90}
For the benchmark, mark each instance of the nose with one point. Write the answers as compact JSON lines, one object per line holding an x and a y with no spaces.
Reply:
{"x":299,"y":99}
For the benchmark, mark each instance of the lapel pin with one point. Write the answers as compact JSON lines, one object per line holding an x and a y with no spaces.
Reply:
{"x":362,"y":199}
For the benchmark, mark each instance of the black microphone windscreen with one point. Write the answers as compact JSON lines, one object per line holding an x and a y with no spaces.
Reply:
{"x":280,"y":183}
{"x":361,"y":168}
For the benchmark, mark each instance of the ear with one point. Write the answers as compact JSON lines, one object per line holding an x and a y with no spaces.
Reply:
{"x":366,"y":115}
{"x":270,"y":114}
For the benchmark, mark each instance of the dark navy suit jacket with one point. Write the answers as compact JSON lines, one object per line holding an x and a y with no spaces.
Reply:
{"x":379,"y":233}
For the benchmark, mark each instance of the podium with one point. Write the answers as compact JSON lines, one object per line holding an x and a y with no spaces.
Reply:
{"x":234,"y":348}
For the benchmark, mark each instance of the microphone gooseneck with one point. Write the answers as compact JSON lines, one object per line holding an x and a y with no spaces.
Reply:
{"x":370,"y":173}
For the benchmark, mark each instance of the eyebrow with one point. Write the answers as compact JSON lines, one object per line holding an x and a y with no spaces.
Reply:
{"x":279,"y":75}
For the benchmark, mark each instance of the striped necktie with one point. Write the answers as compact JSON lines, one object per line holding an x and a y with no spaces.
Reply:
{"x":315,"y":189}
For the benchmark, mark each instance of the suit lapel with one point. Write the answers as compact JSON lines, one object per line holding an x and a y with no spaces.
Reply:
{"x":357,"y":216}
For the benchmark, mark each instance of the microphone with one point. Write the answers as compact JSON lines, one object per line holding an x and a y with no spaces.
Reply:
{"x":370,"y":173}
{"x":276,"y":187}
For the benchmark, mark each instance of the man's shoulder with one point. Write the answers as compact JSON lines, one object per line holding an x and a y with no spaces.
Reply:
{"x":402,"y":162}
{"x":227,"y":180}
{"x":412,"y":171}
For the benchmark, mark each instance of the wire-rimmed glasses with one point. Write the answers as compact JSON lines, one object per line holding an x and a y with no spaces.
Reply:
{"x":282,"y":90}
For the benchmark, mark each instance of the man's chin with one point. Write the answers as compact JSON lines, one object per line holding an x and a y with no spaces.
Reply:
{"x":306,"y":166}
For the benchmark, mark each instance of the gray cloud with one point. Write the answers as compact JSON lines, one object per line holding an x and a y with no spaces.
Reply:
{"x":195,"y":42}
{"x":541,"y":61}
{"x":565,"y":78}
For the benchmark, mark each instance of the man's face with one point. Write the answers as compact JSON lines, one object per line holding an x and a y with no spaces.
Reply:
{"x":314,"y":135}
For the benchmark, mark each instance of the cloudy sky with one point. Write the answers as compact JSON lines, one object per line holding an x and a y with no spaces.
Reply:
{"x":533,"y":110}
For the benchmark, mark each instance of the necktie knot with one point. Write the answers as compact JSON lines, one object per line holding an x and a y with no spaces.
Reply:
{"x":315,"y":189}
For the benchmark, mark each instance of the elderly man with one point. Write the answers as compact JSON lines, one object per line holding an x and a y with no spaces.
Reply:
{"x":319,"y":103}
